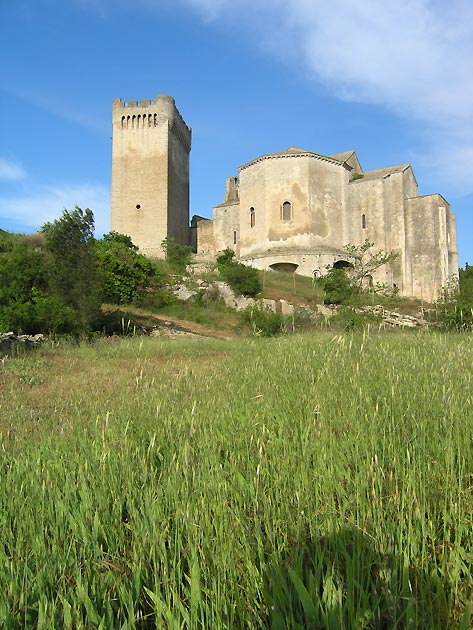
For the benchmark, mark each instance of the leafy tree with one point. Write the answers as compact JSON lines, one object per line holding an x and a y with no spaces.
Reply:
{"x":125,"y":273}
{"x":72,"y":264}
{"x":338,"y":286}
{"x":466,"y":284}
{"x":454,"y":308}
{"x":344,"y":285}
{"x":365,"y":262}
{"x":116,"y":237}
{"x":22,"y":270}
{"x":178,"y":256}
{"x":243,"y":280}
{"x":25,"y":305}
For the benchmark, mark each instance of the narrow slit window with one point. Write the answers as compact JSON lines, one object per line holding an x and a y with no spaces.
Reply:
{"x":286,"y":211}
{"x":363,"y":221}
{"x":252,"y":217}
{"x":234,"y":237}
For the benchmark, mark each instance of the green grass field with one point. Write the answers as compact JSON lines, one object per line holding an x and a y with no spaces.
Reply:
{"x":308,"y":481}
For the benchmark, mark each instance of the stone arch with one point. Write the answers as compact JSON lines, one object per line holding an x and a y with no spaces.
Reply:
{"x":341,"y":264}
{"x":285,"y":267}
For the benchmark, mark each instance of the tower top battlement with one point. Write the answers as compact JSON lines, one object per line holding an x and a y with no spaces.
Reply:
{"x":163,"y":106}
{"x":160,"y":99}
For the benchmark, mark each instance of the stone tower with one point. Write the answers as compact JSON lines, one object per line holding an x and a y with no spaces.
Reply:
{"x":150,"y":173}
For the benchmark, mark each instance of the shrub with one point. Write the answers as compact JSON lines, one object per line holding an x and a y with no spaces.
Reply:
{"x":178,"y":256}
{"x":126,"y":275}
{"x":263,"y":321}
{"x":242,"y":279}
{"x":337,"y":286}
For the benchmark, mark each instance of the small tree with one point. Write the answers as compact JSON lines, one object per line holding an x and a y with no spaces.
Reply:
{"x":337,"y":286}
{"x":125,"y":273}
{"x":466,"y":284}
{"x":73,"y":266}
{"x":343,"y":285}
{"x":365,"y":262}
{"x":226,"y":258}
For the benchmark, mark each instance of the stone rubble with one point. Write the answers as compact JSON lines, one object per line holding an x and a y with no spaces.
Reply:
{"x":10,"y":343}
{"x":223,"y":291}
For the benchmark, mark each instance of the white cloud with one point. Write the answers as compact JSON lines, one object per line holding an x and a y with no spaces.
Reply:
{"x":415,"y":58}
{"x":37,"y":207}
{"x":10,"y":170}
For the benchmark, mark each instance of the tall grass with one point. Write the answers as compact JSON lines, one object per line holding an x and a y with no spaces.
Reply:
{"x":302,"y":482}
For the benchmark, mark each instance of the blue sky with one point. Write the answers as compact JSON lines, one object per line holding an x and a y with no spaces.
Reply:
{"x":395,"y":83}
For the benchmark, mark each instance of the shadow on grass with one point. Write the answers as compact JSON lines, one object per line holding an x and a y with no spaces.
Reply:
{"x":342,"y":582}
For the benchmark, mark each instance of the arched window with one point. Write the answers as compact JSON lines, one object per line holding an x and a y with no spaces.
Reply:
{"x":363,"y":221}
{"x":286,"y":211}
{"x":252,"y":217}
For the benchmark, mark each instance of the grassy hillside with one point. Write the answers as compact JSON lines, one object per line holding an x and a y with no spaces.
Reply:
{"x":299,"y":482}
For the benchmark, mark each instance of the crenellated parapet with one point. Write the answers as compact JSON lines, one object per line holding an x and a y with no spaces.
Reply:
{"x":147,"y":114}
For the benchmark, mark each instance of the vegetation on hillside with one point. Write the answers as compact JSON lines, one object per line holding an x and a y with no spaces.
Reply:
{"x":243,"y":280}
{"x":350,"y":284}
{"x":57,"y":281}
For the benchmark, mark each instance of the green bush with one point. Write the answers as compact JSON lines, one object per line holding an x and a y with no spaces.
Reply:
{"x":178,"y":256}
{"x":338,"y":287}
{"x":454,"y":308}
{"x":242,"y":279}
{"x":126,"y":275}
{"x":262,"y":321}
{"x":347,"y":319}
{"x":72,"y":265}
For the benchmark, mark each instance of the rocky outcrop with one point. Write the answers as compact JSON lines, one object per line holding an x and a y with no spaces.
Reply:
{"x":221,"y":290}
{"x":394,"y":319}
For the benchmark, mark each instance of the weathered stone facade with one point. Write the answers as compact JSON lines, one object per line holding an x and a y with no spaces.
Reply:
{"x":294,"y":210}
{"x":150,"y":173}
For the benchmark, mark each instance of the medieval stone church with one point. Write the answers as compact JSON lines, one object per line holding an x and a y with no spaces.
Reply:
{"x":288,"y":211}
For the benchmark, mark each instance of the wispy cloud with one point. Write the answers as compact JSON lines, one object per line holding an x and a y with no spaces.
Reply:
{"x":415,"y":58}
{"x":46,"y":203}
{"x":10,"y":170}
{"x":57,"y":106}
